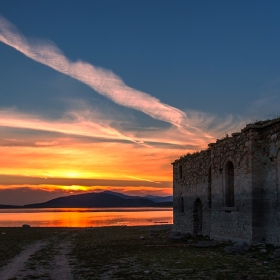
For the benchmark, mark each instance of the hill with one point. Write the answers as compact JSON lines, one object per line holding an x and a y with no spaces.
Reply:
{"x":102,"y":199}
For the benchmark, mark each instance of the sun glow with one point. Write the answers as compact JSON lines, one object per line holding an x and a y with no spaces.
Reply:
{"x":73,"y":188}
{"x":46,"y":172}
{"x":81,"y":143}
{"x":71,"y":174}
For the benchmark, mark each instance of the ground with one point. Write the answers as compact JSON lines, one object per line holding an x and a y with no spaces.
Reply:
{"x":122,"y":253}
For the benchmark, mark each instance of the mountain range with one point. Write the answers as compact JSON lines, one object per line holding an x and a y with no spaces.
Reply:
{"x":101,"y":199}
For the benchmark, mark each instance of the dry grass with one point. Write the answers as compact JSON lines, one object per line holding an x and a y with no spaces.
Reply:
{"x":120,"y":253}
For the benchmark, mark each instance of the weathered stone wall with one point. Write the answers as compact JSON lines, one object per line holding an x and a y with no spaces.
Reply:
{"x":268,"y":160}
{"x":232,"y":222}
{"x":192,"y":185}
{"x":255,"y":215}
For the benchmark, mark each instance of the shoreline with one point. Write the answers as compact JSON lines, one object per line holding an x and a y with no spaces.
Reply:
{"x":90,"y":227}
{"x":93,"y":217}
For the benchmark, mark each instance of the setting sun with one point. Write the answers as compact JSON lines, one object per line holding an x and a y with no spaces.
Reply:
{"x":70,"y":174}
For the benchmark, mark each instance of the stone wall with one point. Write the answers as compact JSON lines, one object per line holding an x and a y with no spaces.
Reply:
{"x":268,"y":158}
{"x":232,"y":222}
{"x":191,"y":185}
{"x":254,"y":215}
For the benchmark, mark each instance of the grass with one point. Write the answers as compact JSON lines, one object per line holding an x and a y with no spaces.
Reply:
{"x":120,"y":253}
{"x":13,"y":240}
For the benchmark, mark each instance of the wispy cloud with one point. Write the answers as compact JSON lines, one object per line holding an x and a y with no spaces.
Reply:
{"x":51,"y":181}
{"x":84,"y":143}
{"x":194,"y":125}
{"x":75,"y":123}
{"x":95,"y":126}
{"x":103,"y":81}
{"x":73,"y":159}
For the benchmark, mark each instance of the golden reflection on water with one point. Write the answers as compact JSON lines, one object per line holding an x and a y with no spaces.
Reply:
{"x":80,"y":217}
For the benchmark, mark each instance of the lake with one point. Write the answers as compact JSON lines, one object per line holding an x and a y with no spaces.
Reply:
{"x":86,"y":217}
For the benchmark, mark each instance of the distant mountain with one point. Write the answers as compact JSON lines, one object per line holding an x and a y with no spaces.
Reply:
{"x":150,"y":197}
{"x":102,"y":199}
{"x":3,"y":206}
{"x":160,"y":198}
{"x":121,"y":195}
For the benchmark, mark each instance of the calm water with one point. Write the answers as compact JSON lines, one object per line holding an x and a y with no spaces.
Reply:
{"x":85,"y":217}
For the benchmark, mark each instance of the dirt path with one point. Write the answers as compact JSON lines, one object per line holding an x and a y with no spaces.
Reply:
{"x":42,"y":260}
{"x":17,"y":263}
{"x":61,"y":269}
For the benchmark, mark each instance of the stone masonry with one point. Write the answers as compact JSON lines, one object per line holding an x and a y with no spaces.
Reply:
{"x":231,"y":191}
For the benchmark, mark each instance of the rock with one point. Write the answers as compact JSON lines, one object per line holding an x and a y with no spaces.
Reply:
{"x":231,"y":250}
{"x":153,"y":234}
{"x":242,"y":245}
{"x":175,"y":235}
{"x":205,"y":244}
{"x":275,"y":255}
{"x":147,"y":271}
{"x":263,"y":251}
{"x":238,"y":247}
{"x":26,"y":226}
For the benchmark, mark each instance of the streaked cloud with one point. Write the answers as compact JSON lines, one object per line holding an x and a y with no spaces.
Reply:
{"x":106,"y":83}
{"x":103,"y":81}
{"x":72,"y":123}
{"x":29,"y":180}
{"x":86,"y":149}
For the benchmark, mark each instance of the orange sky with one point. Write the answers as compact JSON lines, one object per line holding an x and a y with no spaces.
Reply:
{"x":42,"y":158}
{"x":63,"y":164}
{"x":91,"y":131}
{"x":88,"y":150}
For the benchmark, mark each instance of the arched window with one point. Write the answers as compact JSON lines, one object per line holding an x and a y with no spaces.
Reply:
{"x":181,"y":205}
{"x":197,"y":216}
{"x":278,"y":179}
{"x":180,"y":172}
{"x":229,"y":184}
{"x":209,"y":187}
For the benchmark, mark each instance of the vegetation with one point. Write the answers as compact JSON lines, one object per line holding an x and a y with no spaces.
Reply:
{"x":191,"y":155}
{"x":13,"y":240}
{"x":275,"y":118}
{"x":136,"y":253}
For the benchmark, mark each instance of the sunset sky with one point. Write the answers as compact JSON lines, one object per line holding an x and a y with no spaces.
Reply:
{"x":105,"y":94}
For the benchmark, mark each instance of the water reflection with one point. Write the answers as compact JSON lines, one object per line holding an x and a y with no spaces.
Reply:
{"x":81,"y":217}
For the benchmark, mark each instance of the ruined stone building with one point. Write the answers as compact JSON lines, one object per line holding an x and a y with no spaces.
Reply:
{"x":232,"y":189}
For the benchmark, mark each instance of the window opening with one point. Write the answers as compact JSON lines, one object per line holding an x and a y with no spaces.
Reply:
{"x":229,"y":185}
{"x":197,"y":216}
{"x":209,"y":188}
{"x":182,"y":206}
{"x":278,"y":179}
{"x":180,"y":172}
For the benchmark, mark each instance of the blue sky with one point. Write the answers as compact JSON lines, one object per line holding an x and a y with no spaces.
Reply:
{"x":190,"y":54}
{"x":213,"y":65}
